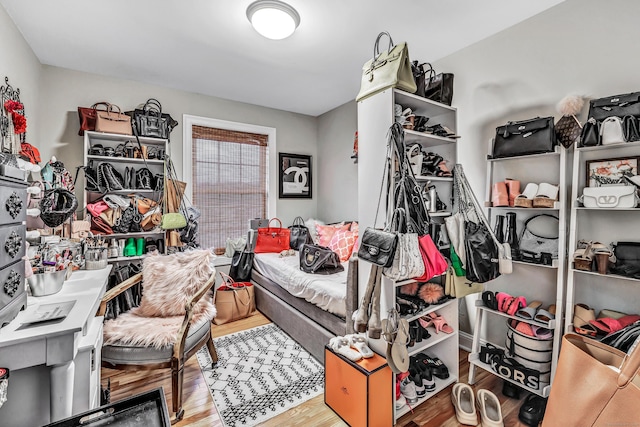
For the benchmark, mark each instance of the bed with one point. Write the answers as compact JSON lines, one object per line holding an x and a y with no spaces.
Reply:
{"x":311,"y":308}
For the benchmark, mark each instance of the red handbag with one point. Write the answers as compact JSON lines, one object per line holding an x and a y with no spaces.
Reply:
{"x":434,"y":262}
{"x":87,"y":116}
{"x":272,"y":239}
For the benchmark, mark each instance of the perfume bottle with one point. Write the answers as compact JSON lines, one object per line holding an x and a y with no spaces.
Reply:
{"x":113,"y":249}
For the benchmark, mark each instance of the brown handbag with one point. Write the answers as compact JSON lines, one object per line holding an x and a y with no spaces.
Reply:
{"x":87,"y":116}
{"x":234,"y":300}
{"x":112,"y":121}
{"x":594,"y":385}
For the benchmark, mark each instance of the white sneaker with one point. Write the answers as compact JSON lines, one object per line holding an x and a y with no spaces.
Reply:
{"x":408,"y":390}
{"x":400,"y":402}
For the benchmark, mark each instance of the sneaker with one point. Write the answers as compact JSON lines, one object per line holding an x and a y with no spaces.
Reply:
{"x":416,"y":378}
{"x":400,"y":402}
{"x":408,"y":388}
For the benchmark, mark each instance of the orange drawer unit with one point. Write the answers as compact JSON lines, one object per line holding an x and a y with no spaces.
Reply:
{"x":359,"y":392}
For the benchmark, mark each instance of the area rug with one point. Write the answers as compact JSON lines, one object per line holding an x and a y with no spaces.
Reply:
{"x":261,"y":372}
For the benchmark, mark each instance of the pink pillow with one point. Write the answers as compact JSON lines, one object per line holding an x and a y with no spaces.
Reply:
{"x":354,"y":226}
{"x":326,"y":232}
{"x":342,"y":243}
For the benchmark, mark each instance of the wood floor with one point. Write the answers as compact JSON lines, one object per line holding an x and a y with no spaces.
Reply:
{"x":200,"y":410}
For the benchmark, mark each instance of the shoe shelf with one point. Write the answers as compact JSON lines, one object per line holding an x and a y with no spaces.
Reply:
{"x":125,"y":191}
{"x":528,"y":156}
{"x":419,"y":347}
{"x":582,"y":208}
{"x":111,"y":159}
{"x":440,"y":385}
{"x":426,"y":139}
{"x":607,"y":147}
{"x":611,"y":276}
{"x":554,"y":264}
{"x":548,"y":325}
{"x":416,"y":102}
{"x":433,"y":178}
{"x":430,"y":309}
{"x":556,"y":207}
{"x":132,"y":234}
{"x":113,"y":137}
{"x":543,"y":390}
{"x":407,"y":282}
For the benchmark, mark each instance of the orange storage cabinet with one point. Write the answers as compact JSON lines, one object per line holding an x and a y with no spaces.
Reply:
{"x":361,"y":393}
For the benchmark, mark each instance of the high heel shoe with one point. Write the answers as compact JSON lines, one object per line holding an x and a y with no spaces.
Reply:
{"x":439,"y":323}
{"x":424,"y":324}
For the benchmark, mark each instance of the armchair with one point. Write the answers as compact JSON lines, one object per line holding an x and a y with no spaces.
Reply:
{"x":158,"y":334}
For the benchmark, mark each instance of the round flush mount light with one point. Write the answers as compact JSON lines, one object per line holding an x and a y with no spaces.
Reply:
{"x":273,"y":19}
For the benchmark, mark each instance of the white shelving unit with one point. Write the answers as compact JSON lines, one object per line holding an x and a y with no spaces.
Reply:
{"x":375,"y":116}
{"x":120,"y":163}
{"x":598,"y":291}
{"x":540,"y":282}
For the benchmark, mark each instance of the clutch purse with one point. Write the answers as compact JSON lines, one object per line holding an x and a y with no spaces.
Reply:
{"x":534,"y":136}
{"x":378,"y":246}
{"x":611,"y":196}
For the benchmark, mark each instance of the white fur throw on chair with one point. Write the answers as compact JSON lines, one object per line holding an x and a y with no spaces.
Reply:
{"x":169,"y":281}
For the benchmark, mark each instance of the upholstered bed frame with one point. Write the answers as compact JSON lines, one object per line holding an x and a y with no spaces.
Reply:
{"x":307,"y":324}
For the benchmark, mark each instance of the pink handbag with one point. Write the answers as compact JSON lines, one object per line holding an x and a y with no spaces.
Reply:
{"x":434,"y":262}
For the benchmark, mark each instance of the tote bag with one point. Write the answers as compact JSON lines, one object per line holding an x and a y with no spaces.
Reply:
{"x":594,"y":385}
{"x":233,"y":300}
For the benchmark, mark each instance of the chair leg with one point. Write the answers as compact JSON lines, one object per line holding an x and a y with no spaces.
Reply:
{"x":212,"y":351}
{"x":177,"y":378}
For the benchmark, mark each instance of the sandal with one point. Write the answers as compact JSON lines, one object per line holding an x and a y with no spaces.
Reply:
{"x":439,"y":323}
{"x":489,"y":300}
{"x":436,"y":366}
{"x":530,"y":311}
{"x":582,"y":315}
{"x":508,"y":304}
{"x":545,"y":316}
{"x":609,"y":325}
{"x":341,"y":346}
{"x":359,"y":343}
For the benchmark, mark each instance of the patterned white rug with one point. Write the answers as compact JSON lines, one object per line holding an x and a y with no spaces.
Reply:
{"x":261,"y":372}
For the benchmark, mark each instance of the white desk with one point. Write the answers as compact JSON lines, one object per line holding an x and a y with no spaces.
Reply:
{"x":52,"y":345}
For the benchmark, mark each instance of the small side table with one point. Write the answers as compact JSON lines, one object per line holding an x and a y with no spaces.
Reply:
{"x":361,"y":393}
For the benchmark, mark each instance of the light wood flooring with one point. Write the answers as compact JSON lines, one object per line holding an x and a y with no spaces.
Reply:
{"x":200,"y":410}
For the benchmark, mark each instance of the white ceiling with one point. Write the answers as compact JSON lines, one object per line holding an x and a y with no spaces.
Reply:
{"x":209,"y":47}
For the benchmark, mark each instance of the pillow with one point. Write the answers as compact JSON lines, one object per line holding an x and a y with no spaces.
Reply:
{"x":342,"y":243}
{"x":326,"y":232}
{"x":169,"y":281}
{"x":311,"y":225}
{"x":354,"y":226}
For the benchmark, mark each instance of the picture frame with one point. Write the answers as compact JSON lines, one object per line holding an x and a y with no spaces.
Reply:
{"x":604,"y":172}
{"x":294,"y":176}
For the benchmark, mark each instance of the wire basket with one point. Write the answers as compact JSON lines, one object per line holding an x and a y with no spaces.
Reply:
{"x":56,"y":206}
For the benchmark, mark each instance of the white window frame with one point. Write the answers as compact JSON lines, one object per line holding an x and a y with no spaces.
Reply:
{"x":189,"y":121}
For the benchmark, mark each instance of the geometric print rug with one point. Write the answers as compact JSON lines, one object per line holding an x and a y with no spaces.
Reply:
{"x":261,"y":372}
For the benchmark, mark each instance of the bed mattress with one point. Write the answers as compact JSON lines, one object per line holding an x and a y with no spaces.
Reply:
{"x":328,"y":292}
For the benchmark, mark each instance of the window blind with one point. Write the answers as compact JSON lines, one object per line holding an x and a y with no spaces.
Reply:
{"x":229,"y":182}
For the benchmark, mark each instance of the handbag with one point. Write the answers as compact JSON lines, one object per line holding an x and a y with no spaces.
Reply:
{"x":109,"y":179}
{"x":617,"y":105}
{"x":173,"y":221}
{"x":241,"y":265}
{"x":378,"y":246}
{"x":532,"y":245}
{"x":407,"y":260}
{"x":87,"y":116}
{"x":568,"y":130}
{"x":611,"y":131}
{"x":318,"y":259}
{"x":627,"y":259}
{"x":391,"y":68}
{"x":111,"y":121}
{"x":610,"y":196}
{"x":299,"y":234}
{"x":590,"y":136}
{"x":150,"y":121}
{"x":601,"y":383}
{"x":533,"y":136}
{"x":419,"y":76}
{"x":415,"y":157}
{"x":100,"y":226}
{"x":233,"y":300}
{"x":438,"y":87}
{"x":630,"y":129}
{"x":56,"y":206}
{"x":272,"y":239}
{"x":434,"y":263}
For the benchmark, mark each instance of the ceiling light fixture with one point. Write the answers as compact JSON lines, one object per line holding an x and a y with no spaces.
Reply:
{"x":273,"y":19}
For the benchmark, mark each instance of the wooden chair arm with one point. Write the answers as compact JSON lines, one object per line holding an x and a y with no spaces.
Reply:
{"x":117,"y":290}
{"x":178,"y":349}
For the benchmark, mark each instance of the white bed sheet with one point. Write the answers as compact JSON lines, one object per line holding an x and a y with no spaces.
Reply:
{"x":329,"y":292}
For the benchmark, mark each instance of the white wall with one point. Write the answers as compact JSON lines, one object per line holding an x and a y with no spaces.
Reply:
{"x":63,"y":90}
{"x":337,"y":175}
{"x":20,"y":65}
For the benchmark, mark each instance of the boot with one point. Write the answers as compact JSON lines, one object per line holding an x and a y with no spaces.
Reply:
{"x":499,"y":231}
{"x":499,"y":194}
{"x":511,"y":236}
{"x":513,"y":188}
{"x":361,"y":318}
{"x":375,"y":325}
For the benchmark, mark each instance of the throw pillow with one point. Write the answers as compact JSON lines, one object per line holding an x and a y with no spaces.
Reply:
{"x":326,"y":232}
{"x":342,"y":243}
{"x":311,"y":225}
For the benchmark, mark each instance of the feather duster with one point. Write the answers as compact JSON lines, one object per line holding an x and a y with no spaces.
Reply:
{"x":570,"y":105}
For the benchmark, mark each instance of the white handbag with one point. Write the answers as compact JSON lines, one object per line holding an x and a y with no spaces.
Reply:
{"x":415,"y":157}
{"x":407,"y":261}
{"x":611,"y":196}
{"x":611,"y":131}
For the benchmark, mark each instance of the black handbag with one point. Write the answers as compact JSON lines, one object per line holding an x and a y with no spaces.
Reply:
{"x":630,"y":129}
{"x":627,"y":259}
{"x":109,"y":179}
{"x":378,"y":246}
{"x":150,"y":121}
{"x":419,"y":76}
{"x":627,"y":104}
{"x":318,"y":259}
{"x":438,"y":87}
{"x":482,"y":253}
{"x":533,"y":136}
{"x":299,"y":234}
{"x":590,"y":136}
{"x":241,"y":265}
{"x":143,"y":179}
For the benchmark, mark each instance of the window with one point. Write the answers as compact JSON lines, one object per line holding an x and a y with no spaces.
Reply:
{"x":229,"y":179}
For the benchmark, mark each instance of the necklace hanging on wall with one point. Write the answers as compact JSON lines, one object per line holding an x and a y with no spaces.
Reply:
{"x":13,"y":123}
